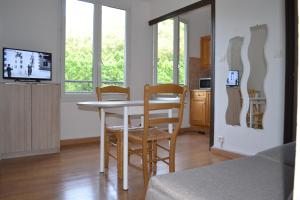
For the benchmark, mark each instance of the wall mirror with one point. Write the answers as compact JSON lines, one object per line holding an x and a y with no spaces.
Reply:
{"x":234,"y":76}
{"x":258,"y":71}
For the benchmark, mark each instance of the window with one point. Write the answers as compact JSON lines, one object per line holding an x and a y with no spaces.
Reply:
{"x":79,"y":46}
{"x":170,"y":52}
{"x":183,"y":57}
{"x":165,"y":50}
{"x":113,"y":47}
{"x":87,"y":63}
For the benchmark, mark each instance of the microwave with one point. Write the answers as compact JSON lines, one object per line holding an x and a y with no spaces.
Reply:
{"x":205,"y":83}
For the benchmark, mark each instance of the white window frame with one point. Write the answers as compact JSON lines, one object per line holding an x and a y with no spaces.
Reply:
{"x":186,"y":55}
{"x":176,"y":38}
{"x":96,"y":79}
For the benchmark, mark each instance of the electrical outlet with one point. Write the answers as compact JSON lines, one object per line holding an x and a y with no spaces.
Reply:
{"x":221,"y":140}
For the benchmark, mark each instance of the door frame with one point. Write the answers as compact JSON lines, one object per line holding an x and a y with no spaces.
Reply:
{"x":291,"y":70}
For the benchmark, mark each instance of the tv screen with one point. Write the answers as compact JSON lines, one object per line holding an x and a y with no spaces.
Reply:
{"x":232,"y":78}
{"x":24,"y":64}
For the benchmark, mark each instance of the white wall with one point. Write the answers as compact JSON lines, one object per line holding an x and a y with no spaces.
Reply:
{"x":199,"y":23}
{"x":31,"y":24}
{"x":297,"y":169}
{"x":233,"y":18}
{"x":35,"y":25}
{"x":297,"y":164}
{"x":162,"y":7}
{"x":76,"y":123}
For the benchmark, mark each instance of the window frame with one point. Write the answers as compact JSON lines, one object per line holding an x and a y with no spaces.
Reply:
{"x":186,"y":55}
{"x":97,"y":34}
{"x":176,"y":50}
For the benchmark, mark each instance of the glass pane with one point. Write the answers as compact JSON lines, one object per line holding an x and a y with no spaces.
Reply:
{"x":79,"y":86}
{"x":113,"y":46}
{"x":182,"y":53}
{"x":79,"y":45}
{"x":165,"y":47}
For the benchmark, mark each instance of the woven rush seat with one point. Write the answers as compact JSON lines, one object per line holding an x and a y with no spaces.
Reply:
{"x":153,"y":135}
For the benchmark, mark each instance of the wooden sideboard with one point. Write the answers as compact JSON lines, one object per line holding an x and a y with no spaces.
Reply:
{"x":200,"y":108}
{"x":30,"y":119}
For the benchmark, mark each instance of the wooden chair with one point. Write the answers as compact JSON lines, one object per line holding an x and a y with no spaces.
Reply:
{"x":256,"y":112}
{"x":113,"y":135}
{"x":149,"y":136}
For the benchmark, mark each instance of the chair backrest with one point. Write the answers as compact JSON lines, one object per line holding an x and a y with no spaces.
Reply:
{"x":252,"y":93}
{"x":101,"y":91}
{"x":151,"y":105}
{"x":113,"y":90}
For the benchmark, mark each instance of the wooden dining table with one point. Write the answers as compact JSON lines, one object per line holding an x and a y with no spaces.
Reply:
{"x":125,"y":108}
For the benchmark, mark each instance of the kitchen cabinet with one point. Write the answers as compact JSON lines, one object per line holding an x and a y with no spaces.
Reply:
{"x":205,"y":51}
{"x":200,"y":108}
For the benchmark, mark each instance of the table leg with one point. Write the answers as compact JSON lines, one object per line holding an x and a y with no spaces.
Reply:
{"x":170,"y":126}
{"x":125,"y":150}
{"x":102,"y":130}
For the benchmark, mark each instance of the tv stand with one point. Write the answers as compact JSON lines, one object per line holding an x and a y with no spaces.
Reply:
{"x":29,"y":118}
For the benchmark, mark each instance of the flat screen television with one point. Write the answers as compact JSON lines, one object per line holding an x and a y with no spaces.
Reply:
{"x":21,"y":64}
{"x":232,"y":78}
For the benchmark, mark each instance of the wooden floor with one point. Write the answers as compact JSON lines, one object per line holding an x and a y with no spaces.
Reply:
{"x":73,"y":173}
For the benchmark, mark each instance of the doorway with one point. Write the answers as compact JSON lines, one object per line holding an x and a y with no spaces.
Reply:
{"x":183,"y":52}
